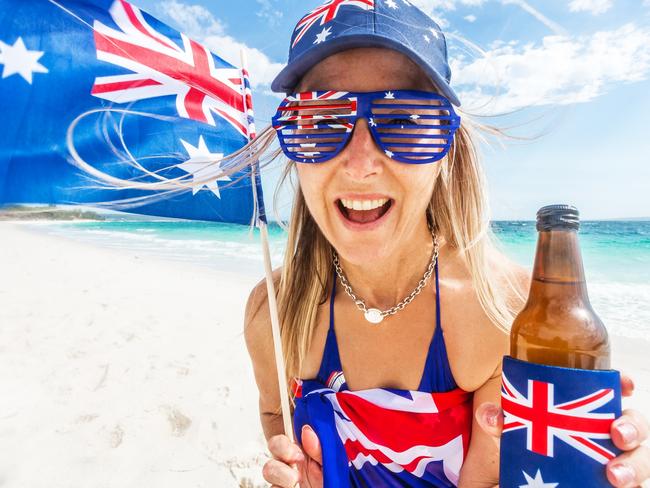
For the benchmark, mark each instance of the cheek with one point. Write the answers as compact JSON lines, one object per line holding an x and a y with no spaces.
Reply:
{"x":313,"y":181}
{"x":418,"y":183}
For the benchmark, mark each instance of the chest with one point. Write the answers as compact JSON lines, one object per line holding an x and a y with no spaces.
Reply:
{"x":394,"y":353}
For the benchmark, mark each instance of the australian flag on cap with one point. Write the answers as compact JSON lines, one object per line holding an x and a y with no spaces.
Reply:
{"x":337,"y":25}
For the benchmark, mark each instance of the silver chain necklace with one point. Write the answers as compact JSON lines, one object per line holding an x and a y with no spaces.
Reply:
{"x":374,"y":315}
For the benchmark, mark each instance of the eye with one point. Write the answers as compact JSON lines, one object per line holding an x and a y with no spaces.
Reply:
{"x":401,"y":121}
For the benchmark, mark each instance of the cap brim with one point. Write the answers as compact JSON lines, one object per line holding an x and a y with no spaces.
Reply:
{"x":287,"y":79}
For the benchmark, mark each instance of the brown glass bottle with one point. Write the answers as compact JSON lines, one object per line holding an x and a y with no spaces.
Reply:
{"x":557,"y":326}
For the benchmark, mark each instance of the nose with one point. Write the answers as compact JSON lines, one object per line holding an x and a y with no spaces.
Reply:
{"x":361,"y":156}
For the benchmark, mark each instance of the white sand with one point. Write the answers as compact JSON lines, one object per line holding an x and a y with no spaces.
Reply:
{"x":122,"y":370}
{"x":119,"y":370}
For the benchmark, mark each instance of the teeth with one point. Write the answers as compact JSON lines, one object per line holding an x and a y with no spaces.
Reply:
{"x":363,"y":204}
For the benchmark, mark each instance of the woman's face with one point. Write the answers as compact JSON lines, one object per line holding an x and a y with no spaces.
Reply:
{"x":362,"y":172}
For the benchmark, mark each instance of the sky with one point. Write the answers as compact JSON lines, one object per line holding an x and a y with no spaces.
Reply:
{"x":572,"y":77}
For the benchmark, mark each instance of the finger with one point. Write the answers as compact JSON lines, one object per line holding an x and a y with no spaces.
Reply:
{"x":284,"y":450}
{"x":627,"y":385}
{"x":630,"y":469}
{"x":490,"y":417}
{"x":280,"y":474}
{"x":629,"y":430}
{"x":312,"y":474}
{"x":311,"y":444}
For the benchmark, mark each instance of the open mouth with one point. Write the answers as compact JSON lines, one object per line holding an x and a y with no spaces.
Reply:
{"x":364,"y":216}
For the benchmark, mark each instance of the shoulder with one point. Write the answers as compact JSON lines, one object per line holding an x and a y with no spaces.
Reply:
{"x":476,"y":344}
{"x":510,"y":275}
{"x":257,"y":315}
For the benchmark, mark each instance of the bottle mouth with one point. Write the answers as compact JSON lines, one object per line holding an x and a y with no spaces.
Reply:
{"x":558,"y":216}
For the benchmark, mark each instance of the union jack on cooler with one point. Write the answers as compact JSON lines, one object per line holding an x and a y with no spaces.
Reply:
{"x":557,"y":421}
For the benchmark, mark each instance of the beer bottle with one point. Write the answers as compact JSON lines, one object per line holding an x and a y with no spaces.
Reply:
{"x":557,"y":326}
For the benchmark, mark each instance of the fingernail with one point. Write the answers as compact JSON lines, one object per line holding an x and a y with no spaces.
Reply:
{"x":628,"y":432}
{"x":623,"y":473}
{"x":492,"y":416}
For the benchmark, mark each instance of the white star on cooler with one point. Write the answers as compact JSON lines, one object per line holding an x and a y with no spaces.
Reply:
{"x":538,"y":482}
{"x":322,"y":36}
{"x":17,"y":59}
{"x":389,"y":95}
{"x":391,"y":4}
{"x":435,"y":33}
{"x":372,"y":122}
{"x":426,"y":38}
{"x":389,"y":153}
{"x":201,"y":165}
{"x":415,"y":116}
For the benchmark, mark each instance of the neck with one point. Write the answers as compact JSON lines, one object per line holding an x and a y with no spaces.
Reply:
{"x":384,"y":282}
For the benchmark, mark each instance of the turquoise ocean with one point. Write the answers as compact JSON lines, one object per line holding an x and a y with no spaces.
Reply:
{"x":616,"y":255}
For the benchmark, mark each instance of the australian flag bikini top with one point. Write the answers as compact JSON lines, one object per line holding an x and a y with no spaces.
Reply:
{"x":387,"y":437}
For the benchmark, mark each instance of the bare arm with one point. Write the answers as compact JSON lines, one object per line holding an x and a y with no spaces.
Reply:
{"x":289,"y":464}
{"x":481,"y":466}
{"x":259,"y":342}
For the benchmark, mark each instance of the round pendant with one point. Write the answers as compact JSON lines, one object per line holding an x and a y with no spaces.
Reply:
{"x":373,"y":315}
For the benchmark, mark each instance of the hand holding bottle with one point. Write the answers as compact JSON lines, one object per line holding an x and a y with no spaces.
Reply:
{"x":627,"y":470}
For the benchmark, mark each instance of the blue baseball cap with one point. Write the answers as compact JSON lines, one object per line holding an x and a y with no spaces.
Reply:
{"x":338,"y":25}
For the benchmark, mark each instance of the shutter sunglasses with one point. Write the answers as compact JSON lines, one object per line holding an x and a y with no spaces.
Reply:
{"x":409,"y":126}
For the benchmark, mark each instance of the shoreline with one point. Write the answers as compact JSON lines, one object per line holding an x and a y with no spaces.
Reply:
{"x":126,"y":369}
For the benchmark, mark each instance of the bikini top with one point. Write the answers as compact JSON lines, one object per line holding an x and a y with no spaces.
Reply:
{"x":387,"y":437}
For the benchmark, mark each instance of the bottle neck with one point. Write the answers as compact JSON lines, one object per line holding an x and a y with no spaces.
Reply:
{"x":558,"y":268}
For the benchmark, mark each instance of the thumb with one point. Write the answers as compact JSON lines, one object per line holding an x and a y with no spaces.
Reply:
{"x":490,"y":417}
{"x":311,"y":444}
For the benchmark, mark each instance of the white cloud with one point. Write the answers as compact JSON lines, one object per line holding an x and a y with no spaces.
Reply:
{"x":594,"y":6}
{"x":436,"y":8}
{"x":470,"y":18}
{"x":192,"y":18}
{"x":267,"y":11}
{"x":562,"y":70}
{"x":199,"y":24}
{"x":554,"y":26}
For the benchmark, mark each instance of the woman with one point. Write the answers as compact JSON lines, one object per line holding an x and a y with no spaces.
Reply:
{"x":400,"y":229}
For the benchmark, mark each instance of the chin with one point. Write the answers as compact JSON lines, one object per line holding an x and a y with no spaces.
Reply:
{"x":362,"y":250}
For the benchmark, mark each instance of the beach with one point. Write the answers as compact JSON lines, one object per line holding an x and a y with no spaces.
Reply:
{"x":120,"y":368}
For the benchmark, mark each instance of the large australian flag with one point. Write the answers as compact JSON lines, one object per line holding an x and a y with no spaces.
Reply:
{"x":102,"y":103}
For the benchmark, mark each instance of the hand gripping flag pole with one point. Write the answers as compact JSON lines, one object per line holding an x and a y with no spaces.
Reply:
{"x":260,"y":221}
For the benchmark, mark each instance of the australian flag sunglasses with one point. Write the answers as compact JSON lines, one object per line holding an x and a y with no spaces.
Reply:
{"x":409,"y":126}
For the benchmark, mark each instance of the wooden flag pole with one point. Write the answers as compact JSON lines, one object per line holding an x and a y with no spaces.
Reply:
{"x":273,"y":306}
